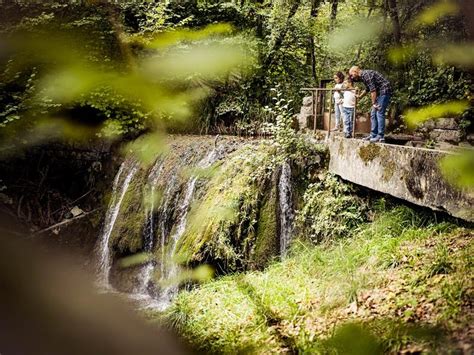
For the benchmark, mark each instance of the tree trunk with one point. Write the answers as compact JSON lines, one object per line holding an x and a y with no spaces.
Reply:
{"x":393,"y":11}
{"x":467,"y":9}
{"x":334,"y":5}
{"x":281,"y":36}
{"x":359,"y":50}
{"x":311,"y":55}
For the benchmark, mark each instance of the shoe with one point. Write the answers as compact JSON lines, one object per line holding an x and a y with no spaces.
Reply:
{"x":368,"y":138}
{"x":377,"y":139}
{"x":347,"y":135}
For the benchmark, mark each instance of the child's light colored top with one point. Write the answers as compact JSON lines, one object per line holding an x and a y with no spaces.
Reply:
{"x":349,"y":99}
{"x":337,"y":95}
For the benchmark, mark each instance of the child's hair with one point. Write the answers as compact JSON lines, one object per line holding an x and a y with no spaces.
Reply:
{"x":340,"y":75}
{"x":349,"y":82}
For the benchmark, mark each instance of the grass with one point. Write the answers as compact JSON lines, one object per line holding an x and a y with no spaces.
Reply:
{"x":363,"y":293}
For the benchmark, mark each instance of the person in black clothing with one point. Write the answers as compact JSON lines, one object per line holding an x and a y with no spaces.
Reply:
{"x":380,"y":92}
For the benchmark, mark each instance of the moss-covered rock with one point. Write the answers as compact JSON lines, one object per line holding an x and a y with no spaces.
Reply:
{"x":126,"y":236}
{"x":266,"y":244}
{"x":369,"y":152}
{"x":222,"y":224}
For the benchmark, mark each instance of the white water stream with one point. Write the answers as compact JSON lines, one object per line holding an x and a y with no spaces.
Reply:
{"x":285,"y":197}
{"x":128,"y":168}
{"x":145,"y":275}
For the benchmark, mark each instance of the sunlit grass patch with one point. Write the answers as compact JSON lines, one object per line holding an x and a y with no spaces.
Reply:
{"x":237,"y":326}
{"x":403,"y":267}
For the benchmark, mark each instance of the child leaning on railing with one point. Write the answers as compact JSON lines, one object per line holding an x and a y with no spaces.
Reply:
{"x":349,"y":102}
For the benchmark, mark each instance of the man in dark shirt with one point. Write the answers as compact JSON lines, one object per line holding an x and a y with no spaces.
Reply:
{"x":380,"y":93}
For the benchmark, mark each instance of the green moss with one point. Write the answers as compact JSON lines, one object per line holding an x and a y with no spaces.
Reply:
{"x":128,"y":230}
{"x":341,"y":148}
{"x":369,"y":152}
{"x":221,"y":225}
{"x":266,"y":241}
{"x":388,"y":169}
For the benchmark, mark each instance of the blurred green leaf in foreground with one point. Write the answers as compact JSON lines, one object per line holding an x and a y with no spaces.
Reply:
{"x":161,"y":79}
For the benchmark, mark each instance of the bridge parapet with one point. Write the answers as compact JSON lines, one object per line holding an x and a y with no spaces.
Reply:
{"x":409,"y":173}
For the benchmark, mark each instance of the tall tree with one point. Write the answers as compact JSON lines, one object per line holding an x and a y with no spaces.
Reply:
{"x":334,"y":5}
{"x":311,"y":55}
{"x":359,"y":50}
{"x":393,"y":12}
{"x":281,"y":34}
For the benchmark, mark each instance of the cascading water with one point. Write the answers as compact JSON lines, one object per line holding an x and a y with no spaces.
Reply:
{"x":167,"y":201}
{"x":143,"y":226}
{"x":169,"y":267}
{"x":127,"y":168}
{"x":286,"y":208}
{"x":146,"y":272}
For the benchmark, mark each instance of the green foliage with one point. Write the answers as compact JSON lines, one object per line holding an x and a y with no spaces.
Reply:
{"x":76,"y":75}
{"x":438,"y":84}
{"x":330,"y":209}
{"x":119,"y":36}
{"x":120,"y":114}
{"x":285,"y":138}
{"x":353,"y":293}
{"x":458,"y":169}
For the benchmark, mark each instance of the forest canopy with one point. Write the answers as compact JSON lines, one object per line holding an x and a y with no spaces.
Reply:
{"x":197,"y":66}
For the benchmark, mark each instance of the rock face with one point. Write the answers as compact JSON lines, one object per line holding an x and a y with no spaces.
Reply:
{"x":305,"y":117}
{"x":225,"y":204}
{"x":405,"y":172}
{"x":442,"y":130}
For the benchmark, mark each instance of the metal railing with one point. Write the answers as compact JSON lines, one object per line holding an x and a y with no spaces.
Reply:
{"x":318,"y":103}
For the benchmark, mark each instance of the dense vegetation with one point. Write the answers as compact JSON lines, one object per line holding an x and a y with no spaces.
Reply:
{"x":291,"y":44}
{"x":362,"y":295}
{"x":364,"y":272}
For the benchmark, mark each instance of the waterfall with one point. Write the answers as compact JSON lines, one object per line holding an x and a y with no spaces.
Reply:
{"x":285,"y":197}
{"x":127,"y":168}
{"x":160,"y":226}
{"x":167,"y":201}
{"x":146,"y":272}
{"x":170,"y":267}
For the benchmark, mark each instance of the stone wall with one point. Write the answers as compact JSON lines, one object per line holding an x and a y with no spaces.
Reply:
{"x":305,"y":117}
{"x":442,"y":130}
{"x":405,"y":172}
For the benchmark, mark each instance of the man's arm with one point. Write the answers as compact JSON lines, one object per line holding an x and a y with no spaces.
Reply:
{"x":373,"y":96}
{"x":370,"y":84}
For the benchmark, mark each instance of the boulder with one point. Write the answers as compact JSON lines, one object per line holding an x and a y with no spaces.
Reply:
{"x":441,"y":123}
{"x":446,"y":135}
{"x":307,"y":101}
{"x":306,"y":110}
{"x":304,"y":121}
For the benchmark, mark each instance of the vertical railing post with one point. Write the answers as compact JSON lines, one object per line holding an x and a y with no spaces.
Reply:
{"x":330,"y":110}
{"x":323,"y":99}
{"x":314,"y":106}
{"x":354,"y":118}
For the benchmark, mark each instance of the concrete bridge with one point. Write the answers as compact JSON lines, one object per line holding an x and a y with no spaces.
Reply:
{"x":405,"y":172}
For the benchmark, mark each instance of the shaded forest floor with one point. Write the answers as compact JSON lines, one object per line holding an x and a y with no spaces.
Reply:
{"x":402,"y":283}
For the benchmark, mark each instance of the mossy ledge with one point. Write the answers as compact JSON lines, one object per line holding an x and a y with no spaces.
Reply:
{"x":369,"y":152}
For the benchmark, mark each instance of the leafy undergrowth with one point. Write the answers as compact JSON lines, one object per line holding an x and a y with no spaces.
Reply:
{"x":401,"y":282}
